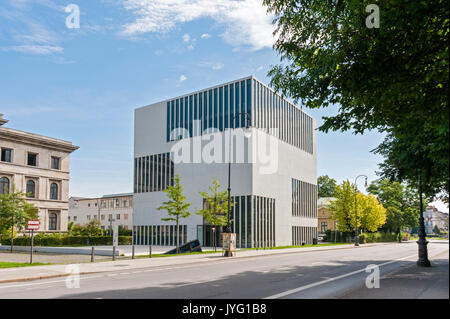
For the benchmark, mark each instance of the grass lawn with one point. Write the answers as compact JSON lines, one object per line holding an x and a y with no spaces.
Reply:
{"x":4,"y":264}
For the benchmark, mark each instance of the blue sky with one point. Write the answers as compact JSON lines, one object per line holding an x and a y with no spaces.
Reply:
{"x":83,"y":84}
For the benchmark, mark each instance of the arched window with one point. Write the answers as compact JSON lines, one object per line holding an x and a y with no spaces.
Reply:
{"x":54,"y":191}
{"x":31,"y":189}
{"x":4,"y":185}
{"x":52,"y":219}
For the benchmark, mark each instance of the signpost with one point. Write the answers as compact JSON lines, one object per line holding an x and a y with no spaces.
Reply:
{"x":32,"y":225}
{"x":115,"y":239}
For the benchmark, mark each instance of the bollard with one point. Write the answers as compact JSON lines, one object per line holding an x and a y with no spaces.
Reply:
{"x":132,"y":252}
{"x":150,"y":252}
{"x":114,"y":253}
{"x":92,"y":254}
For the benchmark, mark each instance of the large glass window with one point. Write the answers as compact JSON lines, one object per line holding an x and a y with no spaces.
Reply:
{"x":6,"y":155}
{"x":54,"y":191}
{"x":221,"y":119}
{"x":31,"y":189}
{"x":231,"y":105}
{"x":32,"y":159}
{"x":56,"y":162}
{"x":52,"y":221}
{"x":237,"y":108}
{"x":227,"y":108}
{"x":4,"y":185}
{"x":210,"y":115}
{"x":191,"y":114}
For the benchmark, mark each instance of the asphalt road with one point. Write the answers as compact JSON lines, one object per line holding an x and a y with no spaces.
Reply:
{"x":321,"y":274}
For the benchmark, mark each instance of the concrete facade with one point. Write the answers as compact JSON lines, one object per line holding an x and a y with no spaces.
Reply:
{"x":48,"y":176}
{"x":281,"y":149}
{"x":108,"y":209}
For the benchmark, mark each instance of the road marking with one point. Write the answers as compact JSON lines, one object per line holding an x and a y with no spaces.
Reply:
{"x":318,"y":283}
{"x":47,"y":282}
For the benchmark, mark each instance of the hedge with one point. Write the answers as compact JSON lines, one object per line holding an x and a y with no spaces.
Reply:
{"x":65,"y":240}
{"x":345,"y":237}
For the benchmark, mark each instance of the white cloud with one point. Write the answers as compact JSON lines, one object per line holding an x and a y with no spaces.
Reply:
{"x":182,"y":78}
{"x":205,"y":36}
{"x":260,"y":69}
{"x":246,"y":22}
{"x":186,"y":38}
{"x":213,"y":65}
{"x":35,"y":49}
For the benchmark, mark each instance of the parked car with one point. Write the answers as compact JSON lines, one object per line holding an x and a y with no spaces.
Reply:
{"x":322,"y":237}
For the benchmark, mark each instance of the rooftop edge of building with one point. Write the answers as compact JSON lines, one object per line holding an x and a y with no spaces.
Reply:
{"x":220,"y":85}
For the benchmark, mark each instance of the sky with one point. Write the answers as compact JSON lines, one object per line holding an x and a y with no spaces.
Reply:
{"x":83,"y":84}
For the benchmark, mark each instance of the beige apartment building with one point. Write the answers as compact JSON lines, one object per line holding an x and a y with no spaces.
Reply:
{"x":40,"y":167}
{"x":108,"y":209}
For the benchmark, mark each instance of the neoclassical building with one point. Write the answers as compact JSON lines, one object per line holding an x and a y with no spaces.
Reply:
{"x":38,"y":166}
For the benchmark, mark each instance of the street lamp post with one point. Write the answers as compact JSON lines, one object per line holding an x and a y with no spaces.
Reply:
{"x":228,"y":230}
{"x":356,"y":209}
{"x":422,"y":242}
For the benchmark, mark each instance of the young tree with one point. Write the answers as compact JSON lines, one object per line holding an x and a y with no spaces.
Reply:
{"x":326,"y":186}
{"x":371,"y":214}
{"x":436,"y":230}
{"x":343,"y":208}
{"x":215,"y":209}
{"x":176,"y":206}
{"x":15,"y":211}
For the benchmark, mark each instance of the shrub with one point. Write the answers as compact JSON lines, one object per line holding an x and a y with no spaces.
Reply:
{"x":66,"y":240}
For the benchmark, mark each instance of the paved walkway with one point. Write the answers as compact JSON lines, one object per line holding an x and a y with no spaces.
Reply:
{"x":51,"y":271}
{"x":410,"y":282}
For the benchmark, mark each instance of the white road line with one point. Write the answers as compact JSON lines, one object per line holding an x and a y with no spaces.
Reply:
{"x":46,"y":282}
{"x":318,"y":283}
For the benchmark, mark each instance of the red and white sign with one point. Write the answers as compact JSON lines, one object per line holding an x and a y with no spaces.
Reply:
{"x":33,"y":224}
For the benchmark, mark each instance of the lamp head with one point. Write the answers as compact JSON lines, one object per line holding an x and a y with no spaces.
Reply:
{"x":365,"y":184}
{"x":247,"y":131}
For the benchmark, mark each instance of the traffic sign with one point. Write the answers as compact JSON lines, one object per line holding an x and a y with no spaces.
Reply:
{"x":33,"y":225}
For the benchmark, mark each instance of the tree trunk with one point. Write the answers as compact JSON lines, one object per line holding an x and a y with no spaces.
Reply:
{"x":399,"y":235}
{"x":178,"y":239}
{"x":12,"y":238}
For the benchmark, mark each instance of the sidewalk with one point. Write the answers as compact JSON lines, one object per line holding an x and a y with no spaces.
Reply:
{"x":411,"y":282}
{"x":53,"y":271}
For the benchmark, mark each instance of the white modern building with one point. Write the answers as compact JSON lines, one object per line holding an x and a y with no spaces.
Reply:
{"x":273,"y":164}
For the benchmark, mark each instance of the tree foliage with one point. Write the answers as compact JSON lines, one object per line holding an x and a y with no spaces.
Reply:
{"x":401,"y":203}
{"x":371,"y":214}
{"x":176,"y":207}
{"x":394,"y":78}
{"x":15,"y":211}
{"x":215,"y":209}
{"x":326,"y":186}
{"x":91,"y":229}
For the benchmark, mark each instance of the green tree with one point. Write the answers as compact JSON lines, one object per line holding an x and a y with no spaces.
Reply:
{"x":215,"y":209}
{"x":371,"y":214}
{"x":176,"y":206}
{"x":326,"y":186}
{"x":15,"y":211}
{"x":393,"y":78}
{"x":401,"y":203}
{"x":436,"y":230}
